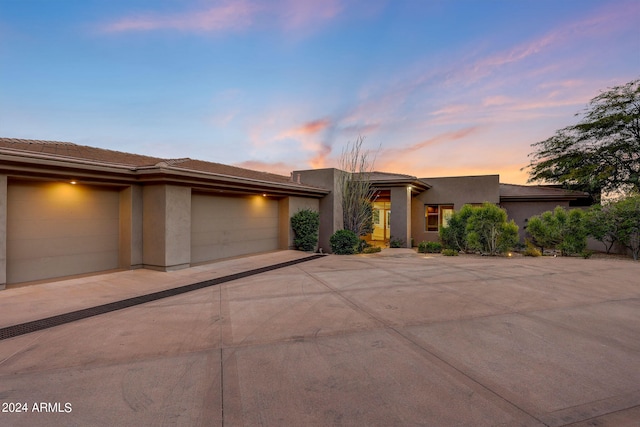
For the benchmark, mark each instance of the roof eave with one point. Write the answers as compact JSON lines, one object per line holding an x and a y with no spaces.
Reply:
{"x":27,"y":165}
{"x":540,"y":198}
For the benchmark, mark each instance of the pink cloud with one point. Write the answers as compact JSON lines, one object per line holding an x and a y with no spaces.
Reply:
{"x":227,"y":16}
{"x":297,"y":14}
{"x":439,"y":139}
{"x":451,"y":109}
{"x":496,"y":100}
{"x":235,"y":15}
{"x":310,"y":128}
{"x":279,"y":168}
{"x":595,"y":27}
{"x":319,"y":160}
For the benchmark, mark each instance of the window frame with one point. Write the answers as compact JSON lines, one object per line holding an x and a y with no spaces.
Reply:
{"x":437,"y":212}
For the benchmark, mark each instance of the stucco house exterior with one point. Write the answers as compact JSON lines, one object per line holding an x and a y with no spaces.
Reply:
{"x":68,"y":209}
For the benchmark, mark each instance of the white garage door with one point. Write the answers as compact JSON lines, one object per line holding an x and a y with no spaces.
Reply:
{"x":223,"y":227}
{"x":60,"y":229}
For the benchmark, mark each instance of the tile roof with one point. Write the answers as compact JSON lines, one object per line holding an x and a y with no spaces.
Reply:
{"x":515,"y":191}
{"x":80,"y":152}
{"x":68,"y":150}
{"x":221,"y":169}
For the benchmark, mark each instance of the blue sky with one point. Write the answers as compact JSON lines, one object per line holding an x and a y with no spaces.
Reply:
{"x":437,"y":88}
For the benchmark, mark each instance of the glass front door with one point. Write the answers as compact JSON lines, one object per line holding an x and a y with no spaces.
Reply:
{"x":381,"y":221}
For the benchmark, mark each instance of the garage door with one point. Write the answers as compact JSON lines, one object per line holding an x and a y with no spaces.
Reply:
{"x":223,"y":227}
{"x":60,"y":229}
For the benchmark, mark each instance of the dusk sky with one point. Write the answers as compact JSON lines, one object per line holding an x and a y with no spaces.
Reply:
{"x":439,"y":88}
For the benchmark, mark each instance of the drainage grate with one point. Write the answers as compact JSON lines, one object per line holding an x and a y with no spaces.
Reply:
{"x":61,"y":319}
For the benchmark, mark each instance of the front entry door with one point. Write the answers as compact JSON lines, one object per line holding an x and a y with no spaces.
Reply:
{"x":381,"y":221}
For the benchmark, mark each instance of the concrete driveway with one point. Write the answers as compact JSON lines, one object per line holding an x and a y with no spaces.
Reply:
{"x":389,"y":339}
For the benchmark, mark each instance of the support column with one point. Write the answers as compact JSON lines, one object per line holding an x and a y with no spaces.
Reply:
{"x":331,"y":215}
{"x":166,"y":229}
{"x":131,"y":227}
{"x":3,"y":231}
{"x":401,"y":214}
{"x":285,"y":238}
{"x":288,"y":207}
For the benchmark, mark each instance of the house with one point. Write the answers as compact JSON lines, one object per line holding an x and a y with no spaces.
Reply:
{"x":68,"y":209}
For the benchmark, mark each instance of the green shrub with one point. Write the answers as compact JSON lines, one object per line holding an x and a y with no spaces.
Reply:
{"x":531,"y":250}
{"x":586,"y":254}
{"x":371,"y":249}
{"x":454,"y":235}
{"x":449,"y":252}
{"x":627,"y":219}
{"x":362,"y":245}
{"x":395,"y":242}
{"x":602,"y":226}
{"x":559,"y":229}
{"x":488,"y":230}
{"x":305,"y":224}
{"x":429,"y":247}
{"x":344,"y":242}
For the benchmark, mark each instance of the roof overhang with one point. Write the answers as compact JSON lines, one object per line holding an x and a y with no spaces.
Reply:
{"x":27,"y":165}
{"x":417,"y":186}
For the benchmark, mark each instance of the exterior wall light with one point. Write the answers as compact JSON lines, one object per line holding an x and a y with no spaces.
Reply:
{"x":73,"y":182}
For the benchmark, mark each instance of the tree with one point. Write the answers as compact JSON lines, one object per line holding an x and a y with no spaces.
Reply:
{"x":488,"y":230}
{"x":305,"y":224}
{"x":599,"y":154}
{"x":601,"y":225}
{"x":575,"y":233}
{"x":560,"y":229}
{"x":544,"y":230}
{"x":356,"y":189}
{"x":627,"y":218}
{"x":454,"y":235}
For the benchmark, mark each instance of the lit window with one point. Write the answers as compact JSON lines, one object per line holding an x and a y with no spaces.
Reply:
{"x":445,"y":214}
{"x":437,"y":216}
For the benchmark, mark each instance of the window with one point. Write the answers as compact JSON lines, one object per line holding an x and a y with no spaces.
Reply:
{"x":437,"y":216}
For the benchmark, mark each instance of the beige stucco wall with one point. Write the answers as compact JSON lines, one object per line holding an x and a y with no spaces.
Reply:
{"x":58,"y":229}
{"x":401,"y":214}
{"x":456,"y":191}
{"x":166,"y":238}
{"x":223,"y":227}
{"x":131,"y":227}
{"x":289,"y":206}
{"x":330,"y":205}
{"x":3,"y":231}
{"x":522,"y":211}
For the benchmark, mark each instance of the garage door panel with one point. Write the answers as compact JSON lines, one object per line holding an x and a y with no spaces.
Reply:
{"x":59,"y":266}
{"x":51,"y":228}
{"x":59,"y":229}
{"x":223,"y":227}
{"x":52,"y":247}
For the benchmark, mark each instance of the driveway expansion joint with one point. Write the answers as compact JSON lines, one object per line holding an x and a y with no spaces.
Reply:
{"x":61,"y":319}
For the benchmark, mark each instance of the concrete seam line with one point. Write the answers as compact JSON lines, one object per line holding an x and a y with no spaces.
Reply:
{"x":61,"y":319}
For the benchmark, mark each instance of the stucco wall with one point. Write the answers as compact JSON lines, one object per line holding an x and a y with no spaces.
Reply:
{"x":330,"y":205}
{"x":59,"y":229}
{"x":521,"y":211}
{"x":131,"y":227}
{"x":166,"y":239}
{"x":401,"y":214}
{"x":3,"y":231}
{"x":289,"y":206}
{"x":223,"y":227}
{"x":456,"y":191}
